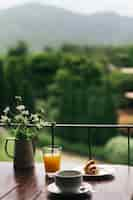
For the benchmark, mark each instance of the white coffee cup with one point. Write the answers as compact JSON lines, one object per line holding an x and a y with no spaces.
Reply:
{"x":69,"y":181}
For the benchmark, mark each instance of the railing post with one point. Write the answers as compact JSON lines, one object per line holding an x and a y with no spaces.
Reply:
{"x":52,"y":134}
{"x":128,"y":131}
{"x":89,"y":145}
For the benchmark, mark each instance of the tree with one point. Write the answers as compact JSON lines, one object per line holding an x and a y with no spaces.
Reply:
{"x":82,"y":95}
{"x":3,"y":89}
{"x":18,"y":80}
{"x":21,"y":49}
{"x":43,"y":67}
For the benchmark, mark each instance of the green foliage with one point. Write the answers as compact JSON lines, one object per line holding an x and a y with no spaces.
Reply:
{"x":21,"y":49}
{"x":121,"y":83}
{"x":18,"y":80}
{"x":73,"y":83}
{"x":3,"y":86}
{"x":82,"y":95}
{"x":44,"y":138}
{"x":80,"y":107}
{"x":116,"y":150}
{"x":42,"y":70}
{"x":26,"y":122}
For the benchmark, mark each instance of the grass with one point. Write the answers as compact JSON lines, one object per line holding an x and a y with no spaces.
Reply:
{"x":4,"y":157}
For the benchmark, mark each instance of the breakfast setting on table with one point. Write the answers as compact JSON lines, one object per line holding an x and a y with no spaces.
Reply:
{"x":75,"y":181}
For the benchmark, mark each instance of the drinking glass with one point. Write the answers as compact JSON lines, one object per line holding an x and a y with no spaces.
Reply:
{"x":52,"y":159}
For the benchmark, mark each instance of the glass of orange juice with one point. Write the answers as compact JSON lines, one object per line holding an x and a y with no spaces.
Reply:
{"x":52,"y":159}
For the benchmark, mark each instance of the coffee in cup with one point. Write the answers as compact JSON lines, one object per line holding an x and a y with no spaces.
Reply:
{"x":69,"y":181}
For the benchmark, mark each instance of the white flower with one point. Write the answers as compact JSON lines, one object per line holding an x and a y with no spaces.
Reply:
{"x":18,"y":98}
{"x":47,"y":123}
{"x":34,"y":118}
{"x":6,"y":110}
{"x":43,"y":124}
{"x":38,"y":125}
{"x":18,"y":118}
{"x":25,"y":112}
{"x":25,"y":121}
{"x":5,"y":119}
{"x":20,"y":107}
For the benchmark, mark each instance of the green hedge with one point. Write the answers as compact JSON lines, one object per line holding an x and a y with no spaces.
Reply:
{"x":116,"y":150}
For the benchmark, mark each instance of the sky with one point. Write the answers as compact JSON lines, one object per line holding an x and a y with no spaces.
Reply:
{"x":123,"y":7}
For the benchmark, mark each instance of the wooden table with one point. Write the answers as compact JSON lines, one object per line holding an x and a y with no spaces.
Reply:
{"x":33,"y":185}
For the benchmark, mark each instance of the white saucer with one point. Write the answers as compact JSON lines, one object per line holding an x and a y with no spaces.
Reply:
{"x":85,"y":189}
{"x":104,"y":171}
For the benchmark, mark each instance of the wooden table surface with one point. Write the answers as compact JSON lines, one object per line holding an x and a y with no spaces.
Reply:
{"x":33,"y":185}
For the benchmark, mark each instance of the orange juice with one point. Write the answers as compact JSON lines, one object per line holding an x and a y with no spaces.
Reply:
{"x":52,"y":162}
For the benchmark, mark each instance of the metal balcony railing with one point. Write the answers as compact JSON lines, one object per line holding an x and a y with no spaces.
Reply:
{"x":88,"y":126}
{"x":53,"y":126}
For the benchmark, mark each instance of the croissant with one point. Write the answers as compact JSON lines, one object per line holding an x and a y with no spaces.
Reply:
{"x":90,"y":168}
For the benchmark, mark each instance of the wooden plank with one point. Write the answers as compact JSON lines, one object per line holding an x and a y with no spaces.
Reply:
{"x":28,"y":183}
{"x":7,"y":182}
{"x":8,"y":192}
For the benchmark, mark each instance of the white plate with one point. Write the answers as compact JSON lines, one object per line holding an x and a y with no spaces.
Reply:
{"x":85,"y":189}
{"x":104,"y":171}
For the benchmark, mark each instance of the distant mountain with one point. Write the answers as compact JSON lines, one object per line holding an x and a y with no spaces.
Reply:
{"x":41,"y":25}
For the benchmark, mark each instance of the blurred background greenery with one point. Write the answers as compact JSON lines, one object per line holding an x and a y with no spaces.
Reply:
{"x":73,"y":84}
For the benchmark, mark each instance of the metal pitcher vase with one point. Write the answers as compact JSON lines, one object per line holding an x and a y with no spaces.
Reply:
{"x":23,"y":153}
